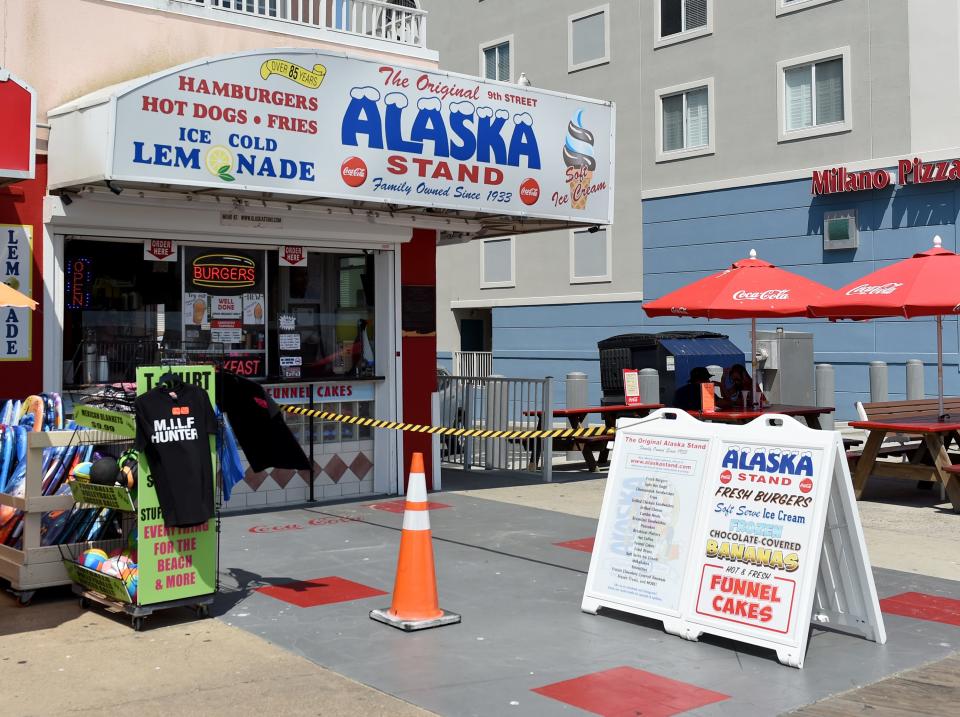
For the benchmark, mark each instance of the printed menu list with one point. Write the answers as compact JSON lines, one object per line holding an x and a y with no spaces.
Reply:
{"x":645,"y":539}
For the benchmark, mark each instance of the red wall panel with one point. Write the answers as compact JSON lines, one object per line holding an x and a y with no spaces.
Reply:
{"x":418,"y":267}
{"x":22,"y":203}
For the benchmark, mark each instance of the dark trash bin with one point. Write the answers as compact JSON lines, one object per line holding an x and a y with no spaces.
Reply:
{"x":672,"y":353}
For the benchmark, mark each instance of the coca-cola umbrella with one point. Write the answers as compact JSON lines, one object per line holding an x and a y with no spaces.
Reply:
{"x":750,"y":289}
{"x":925,"y":284}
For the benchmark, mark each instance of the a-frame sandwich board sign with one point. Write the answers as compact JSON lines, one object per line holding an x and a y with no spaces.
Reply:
{"x":746,"y":532}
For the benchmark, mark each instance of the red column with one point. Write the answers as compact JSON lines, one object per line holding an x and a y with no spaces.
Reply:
{"x":22,"y":204}
{"x":418,"y":272}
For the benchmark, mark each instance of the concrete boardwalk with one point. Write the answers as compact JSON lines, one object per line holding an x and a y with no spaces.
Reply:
{"x":293,"y":637}
{"x":524,"y":645}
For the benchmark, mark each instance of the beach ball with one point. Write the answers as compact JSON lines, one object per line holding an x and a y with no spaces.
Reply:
{"x":92,"y":558}
{"x":130,"y":582}
{"x":128,"y":470}
{"x":123,"y":562}
{"x":81,"y":472}
{"x":110,"y":567}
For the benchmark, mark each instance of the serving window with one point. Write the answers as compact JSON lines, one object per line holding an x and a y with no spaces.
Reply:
{"x":237,"y":308}
{"x":323,"y":325}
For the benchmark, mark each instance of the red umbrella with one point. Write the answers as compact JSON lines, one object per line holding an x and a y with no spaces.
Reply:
{"x":749,"y":289}
{"x":926,"y":284}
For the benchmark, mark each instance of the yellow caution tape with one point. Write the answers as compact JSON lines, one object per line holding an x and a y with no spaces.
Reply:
{"x":446,"y":431}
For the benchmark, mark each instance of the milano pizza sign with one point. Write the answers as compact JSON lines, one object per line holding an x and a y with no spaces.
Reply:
{"x":909,"y":171}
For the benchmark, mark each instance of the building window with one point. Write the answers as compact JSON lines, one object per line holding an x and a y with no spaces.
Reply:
{"x":590,"y":260}
{"x":588,"y":38}
{"x":787,"y":6}
{"x":679,"y":20}
{"x":498,"y":265}
{"x":840,"y":230}
{"x":496,"y":60}
{"x":685,"y":126}
{"x":815,"y":92}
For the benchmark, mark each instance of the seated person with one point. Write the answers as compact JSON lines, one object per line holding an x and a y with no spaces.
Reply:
{"x":734,"y":381}
{"x":687,"y":396}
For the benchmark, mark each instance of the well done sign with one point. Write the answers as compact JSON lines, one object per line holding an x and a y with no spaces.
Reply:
{"x":725,"y":529}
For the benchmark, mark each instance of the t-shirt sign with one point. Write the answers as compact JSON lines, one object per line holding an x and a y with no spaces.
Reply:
{"x":746,"y":532}
{"x":174,"y":423}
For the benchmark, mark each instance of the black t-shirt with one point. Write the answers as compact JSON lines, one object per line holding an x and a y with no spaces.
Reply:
{"x":258,"y":423}
{"x":174,"y":422}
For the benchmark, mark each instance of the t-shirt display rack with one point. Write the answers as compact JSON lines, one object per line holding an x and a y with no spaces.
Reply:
{"x":177,"y":567}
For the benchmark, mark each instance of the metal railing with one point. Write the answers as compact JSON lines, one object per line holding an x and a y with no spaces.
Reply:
{"x":392,"y":20}
{"x":493,"y":403}
{"x":473,"y":363}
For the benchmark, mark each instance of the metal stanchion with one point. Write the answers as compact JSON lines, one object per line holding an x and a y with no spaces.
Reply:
{"x":826,"y":393}
{"x":915,"y":390}
{"x":312,"y":464}
{"x":878,"y":382}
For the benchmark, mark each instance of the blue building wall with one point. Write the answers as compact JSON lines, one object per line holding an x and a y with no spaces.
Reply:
{"x":690,"y":236}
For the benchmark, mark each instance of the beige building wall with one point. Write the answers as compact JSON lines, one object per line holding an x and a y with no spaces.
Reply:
{"x":68,"y":48}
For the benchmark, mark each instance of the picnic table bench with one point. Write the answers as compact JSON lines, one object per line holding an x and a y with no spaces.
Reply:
{"x":919,"y":433}
{"x":588,"y":444}
{"x":901,"y":444}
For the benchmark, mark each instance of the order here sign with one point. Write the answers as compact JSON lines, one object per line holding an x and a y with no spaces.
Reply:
{"x":728,"y":530}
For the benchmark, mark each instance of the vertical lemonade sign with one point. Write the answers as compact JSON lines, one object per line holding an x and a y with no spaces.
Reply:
{"x":16,"y":260}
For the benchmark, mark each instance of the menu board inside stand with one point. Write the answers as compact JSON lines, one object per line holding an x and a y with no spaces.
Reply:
{"x":644,"y":535}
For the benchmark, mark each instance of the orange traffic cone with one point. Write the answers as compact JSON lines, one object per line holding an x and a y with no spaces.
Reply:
{"x":415,"y":605}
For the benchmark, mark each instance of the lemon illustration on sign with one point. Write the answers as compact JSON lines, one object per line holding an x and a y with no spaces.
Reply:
{"x":220,"y":162}
{"x":12,"y":282}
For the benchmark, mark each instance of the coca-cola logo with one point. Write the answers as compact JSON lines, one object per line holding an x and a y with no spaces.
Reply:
{"x":679,"y":310}
{"x":768,"y":295}
{"x":725,"y":477}
{"x":529,"y":191}
{"x":353,"y":171}
{"x":874,"y":289}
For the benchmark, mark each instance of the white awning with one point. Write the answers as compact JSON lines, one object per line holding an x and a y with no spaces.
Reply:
{"x":314,"y":128}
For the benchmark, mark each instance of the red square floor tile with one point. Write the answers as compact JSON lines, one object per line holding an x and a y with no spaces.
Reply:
{"x":583,"y":544}
{"x":923,"y":607}
{"x":397,"y":506}
{"x":319,"y":591}
{"x":627,"y":691}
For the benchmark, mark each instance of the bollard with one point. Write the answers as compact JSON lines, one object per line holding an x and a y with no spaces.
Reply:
{"x":826,"y":393}
{"x":547,"y":443}
{"x":469,"y":409}
{"x":878,"y":382}
{"x":649,"y":385}
{"x":576,"y":397}
{"x":915,"y":390}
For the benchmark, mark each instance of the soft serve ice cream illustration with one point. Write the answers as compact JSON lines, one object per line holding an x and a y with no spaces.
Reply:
{"x":579,"y":158}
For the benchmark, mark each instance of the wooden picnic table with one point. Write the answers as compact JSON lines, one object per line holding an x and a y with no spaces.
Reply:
{"x":930,"y":464}
{"x":811,"y":414}
{"x":588,"y":444}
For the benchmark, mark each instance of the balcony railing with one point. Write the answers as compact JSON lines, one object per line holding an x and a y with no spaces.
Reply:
{"x":391,"y":20}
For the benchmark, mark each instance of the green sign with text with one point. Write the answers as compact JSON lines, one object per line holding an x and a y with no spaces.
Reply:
{"x":103,"y":419}
{"x":174,"y":563}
